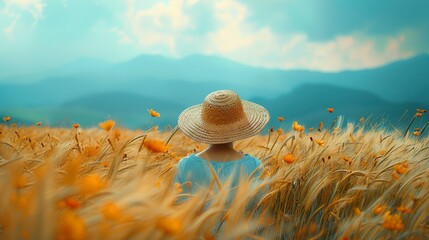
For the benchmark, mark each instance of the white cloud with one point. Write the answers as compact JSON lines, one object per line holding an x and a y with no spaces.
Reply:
{"x":34,"y":7}
{"x":163,"y":28}
{"x":235,"y":38}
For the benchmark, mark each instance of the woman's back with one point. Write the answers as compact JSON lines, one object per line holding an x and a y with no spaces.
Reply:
{"x":197,"y":171}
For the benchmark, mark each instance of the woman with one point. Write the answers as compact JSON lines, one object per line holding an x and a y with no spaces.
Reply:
{"x":219,"y":121}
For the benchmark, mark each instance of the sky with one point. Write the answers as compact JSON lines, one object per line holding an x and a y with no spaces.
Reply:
{"x":329,"y":35}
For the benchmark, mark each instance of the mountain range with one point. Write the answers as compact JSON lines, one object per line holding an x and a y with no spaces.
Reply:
{"x":90,"y":90}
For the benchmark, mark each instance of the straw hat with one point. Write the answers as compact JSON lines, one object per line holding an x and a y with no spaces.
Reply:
{"x":223,"y":117}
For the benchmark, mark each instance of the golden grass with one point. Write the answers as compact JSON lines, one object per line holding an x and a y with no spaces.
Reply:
{"x":330,"y":184}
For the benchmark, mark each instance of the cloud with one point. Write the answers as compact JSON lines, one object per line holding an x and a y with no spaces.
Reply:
{"x":34,"y":7}
{"x":324,"y":20}
{"x":236,"y":38}
{"x":329,"y":35}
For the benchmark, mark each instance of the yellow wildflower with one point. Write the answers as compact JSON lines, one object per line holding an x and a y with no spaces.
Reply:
{"x":69,"y":202}
{"x":107,"y":125}
{"x":330,"y":110}
{"x":357,"y":211}
{"x":320,"y":142}
{"x":392,"y":222}
{"x":297,"y":127}
{"x":401,"y":168}
{"x":111,"y":211}
{"x":91,"y":184}
{"x":76,"y":125}
{"x":91,"y":151}
{"x":403,"y":209}
{"x":70,"y":226}
{"x":153,"y":113}
{"x":348,"y":159}
{"x":281,"y":119}
{"x":169,"y":225}
{"x":6,"y":119}
{"x":155,"y":145}
{"x":379,"y":209}
{"x":288,"y":158}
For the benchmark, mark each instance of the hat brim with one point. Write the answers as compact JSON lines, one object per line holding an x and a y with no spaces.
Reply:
{"x":191,"y":124}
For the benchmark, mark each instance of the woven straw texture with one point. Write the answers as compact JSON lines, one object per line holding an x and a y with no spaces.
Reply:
{"x":223,"y":117}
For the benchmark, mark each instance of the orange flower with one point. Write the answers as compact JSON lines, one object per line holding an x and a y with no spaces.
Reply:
{"x":330,"y":110}
{"x":403,"y":209}
{"x":297,"y":127}
{"x":91,"y":151}
{"x":155,"y":145}
{"x":379,"y":209}
{"x":281,"y":119}
{"x":280,"y":131}
{"x":419,"y":114}
{"x":401,"y":168}
{"x":357,"y":211}
{"x":91,"y":184}
{"x":153,"y":113}
{"x":107,"y":125}
{"x":288,"y":158}
{"x":76,"y":125}
{"x":111,"y":211}
{"x":105,"y":164}
{"x":69,"y":202}
{"x":70,"y":226}
{"x":421,"y":110}
{"x":320,"y":142}
{"x":6,"y":119}
{"x":38,"y":123}
{"x":416,"y":133}
{"x":169,"y":225}
{"x":310,"y":129}
{"x":348,"y":159}
{"x":362,"y":120}
{"x":13,"y":125}
{"x":392,"y":222}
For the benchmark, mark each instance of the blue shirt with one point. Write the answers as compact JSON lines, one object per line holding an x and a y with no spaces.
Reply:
{"x":197,"y":171}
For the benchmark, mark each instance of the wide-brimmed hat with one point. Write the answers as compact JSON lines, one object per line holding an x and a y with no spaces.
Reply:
{"x":223,"y":117}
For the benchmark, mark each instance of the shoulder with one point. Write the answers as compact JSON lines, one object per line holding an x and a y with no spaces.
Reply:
{"x":186,"y":161}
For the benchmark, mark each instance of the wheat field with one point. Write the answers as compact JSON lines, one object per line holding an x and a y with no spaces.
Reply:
{"x":356,"y":182}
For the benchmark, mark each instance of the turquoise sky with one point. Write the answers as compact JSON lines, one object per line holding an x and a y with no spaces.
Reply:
{"x":329,"y":35}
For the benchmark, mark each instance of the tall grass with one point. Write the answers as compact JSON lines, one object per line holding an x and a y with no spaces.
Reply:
{"x":351,"y":183}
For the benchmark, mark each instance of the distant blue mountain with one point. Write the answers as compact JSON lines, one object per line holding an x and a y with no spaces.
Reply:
{"x":308,"y":104}
{"x":183,"y":82}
